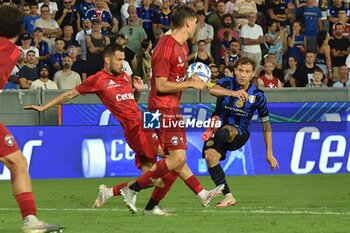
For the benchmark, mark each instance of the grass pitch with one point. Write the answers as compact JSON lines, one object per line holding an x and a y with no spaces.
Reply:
{"x":300,"y":204}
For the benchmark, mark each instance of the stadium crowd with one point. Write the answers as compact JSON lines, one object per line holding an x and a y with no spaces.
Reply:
{"x":301,"y":43}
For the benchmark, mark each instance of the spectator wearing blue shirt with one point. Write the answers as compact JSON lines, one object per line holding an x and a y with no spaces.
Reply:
{"x":296,"y":43}
{"x":56,"y":58}
{"x":146,"y":14}
{"x":100,"y":13}
{"x":311,"y":16}
{"x":30,"y":19}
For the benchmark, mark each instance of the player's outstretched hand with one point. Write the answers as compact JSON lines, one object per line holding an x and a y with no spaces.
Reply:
{"x":241,"y":94}
{"x":34,"y":107}
{"x":272,"y":161}
{"x":138,"y":83}
{"x":199,"y":85}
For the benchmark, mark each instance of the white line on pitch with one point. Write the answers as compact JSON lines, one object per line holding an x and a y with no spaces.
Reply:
{"x":209,"y":210}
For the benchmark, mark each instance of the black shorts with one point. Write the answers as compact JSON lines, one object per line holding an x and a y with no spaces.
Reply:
{"x":239,"y":141}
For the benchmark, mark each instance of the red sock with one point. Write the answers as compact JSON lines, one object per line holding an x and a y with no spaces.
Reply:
{"x":118,"y":187}
{"x":159,"y":193}
{"x":26,"y":204}
{"x":161,"y":170}
{"x":146,"y":179}
{"x":194,"y":184}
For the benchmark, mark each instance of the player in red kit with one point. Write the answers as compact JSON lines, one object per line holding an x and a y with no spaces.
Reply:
{"x":10,"y":155}
{"x":115,"y":89}
{"x":168,"y":81}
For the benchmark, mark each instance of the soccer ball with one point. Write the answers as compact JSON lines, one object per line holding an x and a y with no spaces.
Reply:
{"x":201,"y":69}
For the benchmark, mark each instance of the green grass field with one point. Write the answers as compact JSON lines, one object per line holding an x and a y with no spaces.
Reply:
{"x":300,"y":204}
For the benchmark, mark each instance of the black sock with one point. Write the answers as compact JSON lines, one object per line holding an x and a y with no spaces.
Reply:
{"x":221,"y":136}
{"x":218,"y":176}
{"x":135,"y":186}
{"x":151,"y":204}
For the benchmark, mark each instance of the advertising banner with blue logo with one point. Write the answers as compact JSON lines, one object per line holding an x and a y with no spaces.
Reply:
{"x":101,"y":151}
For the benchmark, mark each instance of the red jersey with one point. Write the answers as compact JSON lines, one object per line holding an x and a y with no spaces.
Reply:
{"x":169,"y":59}
{"x":117,"y":94}
{"x":270,"y":83}
{"x":9,"y":54}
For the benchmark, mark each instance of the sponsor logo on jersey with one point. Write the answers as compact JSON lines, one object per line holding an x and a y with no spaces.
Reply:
{"x":125,"y":96}
{"x":112,"y":84}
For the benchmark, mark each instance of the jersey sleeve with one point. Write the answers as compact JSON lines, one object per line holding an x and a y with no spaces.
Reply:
{"x":9,"y":55}
{"x":161,"y":61}
{"x":224,"y":82}
{"x":89,"y":86}
{"x":261,"y":106}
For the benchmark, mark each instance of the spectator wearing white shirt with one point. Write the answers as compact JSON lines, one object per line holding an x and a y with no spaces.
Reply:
{"x":80,"y":37}
{"x":204,"y":32}
{"x":344,"y":80}
{"x":252,"y":36}
{"x":43,"y":82}
{"x":67,"y":78}
{"x":26,"y":40}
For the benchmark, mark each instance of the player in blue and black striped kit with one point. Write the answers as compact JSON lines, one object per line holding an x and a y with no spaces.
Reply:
{"x":237,"y":100}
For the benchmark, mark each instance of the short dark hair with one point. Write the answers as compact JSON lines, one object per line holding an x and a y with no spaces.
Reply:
{"x":11,"y":21}
{"x":246,"y":60}
{"x":30,"y":51}
{"x":318,"y":69}
{"x":111,"y":49}
{"x":180,"y":14}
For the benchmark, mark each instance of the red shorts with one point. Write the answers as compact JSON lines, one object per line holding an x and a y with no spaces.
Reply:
{"x":144,"y":143}
{"x":8,"y":144}
{"x":173,"y":138}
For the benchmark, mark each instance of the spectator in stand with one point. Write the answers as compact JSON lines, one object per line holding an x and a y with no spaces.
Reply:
{"x":68,"y":37}
{"x":228,"y":71}
{"x":296,"y":43}
{"x":84,"y":6}
{"x":278,"y":73}
{"x":102,"y":14}
{"x":146,"y":61}
{"x":25,"y":9}
{"x":311,"y":17}
{"x":136,"y":34}
{"x":241,"y":11}
{"x":215,"y":75}
{"x":288,"y":73}
{"x":43,"y":82}
{"x":344,"y":80}
{"x":26,"y":40}
{"x":56,"y":58}
{"x":42,"y":46}
{"x":343,"y":19}
{"x":68,"y":16}
{"x":204,"y":32}
{"x":228,"y":29}
{"x":50,"y":27}
{"x":231,"y":55}
{"x":268,"y":80}
{"x":273,"y":41}
{"x":95,"y":44}
{"x":333,"y":13}
{"x":340,"y":48}
{"x":130,"y":56}
{"x":31,"y":17}
{"x":13,"y":80}
{"x":200,"y":5}
{"x":80,"y":37}
{"x":202,"y":55}
{"x":52,"y":5}
{"x":146,"y":13}
{"x":124,"y":10}
{"x":277,"y":11}
{"x":323,"y":58}
{"x":67,"y":78}
{"x":162,"y":17}
{"x":78,"y":65}
{"x":28,"y":73}
{"x":317,"y":78}
{"x":252,"y":36}
{"x":305,"y":71}
{"x":132,"y":11}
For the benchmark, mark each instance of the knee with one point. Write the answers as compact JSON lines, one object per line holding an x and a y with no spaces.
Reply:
{"x":181,"y":160}
{"x":211,"y":157}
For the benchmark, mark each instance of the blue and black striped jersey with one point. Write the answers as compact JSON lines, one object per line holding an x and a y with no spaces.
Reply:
{"x":235,"y":112}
